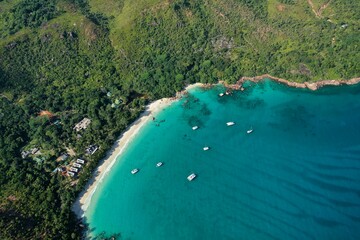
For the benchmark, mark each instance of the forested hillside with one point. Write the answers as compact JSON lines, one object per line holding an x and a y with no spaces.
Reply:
{"x":65,"y":60}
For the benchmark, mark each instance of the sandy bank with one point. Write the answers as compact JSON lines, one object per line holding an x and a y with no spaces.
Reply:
{"x":84,"y":198}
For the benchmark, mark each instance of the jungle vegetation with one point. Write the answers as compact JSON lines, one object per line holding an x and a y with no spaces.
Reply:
{"x":106,"y":59}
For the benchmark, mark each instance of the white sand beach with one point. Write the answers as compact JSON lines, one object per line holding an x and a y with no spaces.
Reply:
{"x":84,"y":198}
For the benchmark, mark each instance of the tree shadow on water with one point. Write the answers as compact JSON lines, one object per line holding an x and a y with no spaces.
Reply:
{"x":89,"y":233}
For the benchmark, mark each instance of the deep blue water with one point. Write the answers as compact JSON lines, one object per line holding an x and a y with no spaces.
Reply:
{"x":296,"y":176}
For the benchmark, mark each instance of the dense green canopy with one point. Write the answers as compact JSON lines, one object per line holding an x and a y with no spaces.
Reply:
{"x":105,"y":59}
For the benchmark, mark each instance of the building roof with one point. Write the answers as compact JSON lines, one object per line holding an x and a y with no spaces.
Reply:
{"x":83,"y":124}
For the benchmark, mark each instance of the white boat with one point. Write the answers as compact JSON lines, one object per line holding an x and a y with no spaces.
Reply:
{"x":249,"y":131}
{"x":191,"y":177}
{"x":134,"y":171}
{"x":159,"y":164}
{"x":230,"y":123}
{"x":206,"y":148}
{"x":195,"y":127}
{"x":221,"y":94}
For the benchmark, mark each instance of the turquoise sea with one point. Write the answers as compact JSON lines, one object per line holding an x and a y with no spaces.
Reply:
{"x":296,"y":176}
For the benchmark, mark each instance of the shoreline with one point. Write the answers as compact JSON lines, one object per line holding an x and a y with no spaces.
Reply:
{"x":309,"y":85}
{"x":83,"y":200}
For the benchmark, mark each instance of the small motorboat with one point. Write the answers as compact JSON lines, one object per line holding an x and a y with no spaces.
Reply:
{"x":159,"y":164}
{"x":230,"y":123}
{"x":195,"y":127}
{"x":134,"y":171}
{"x":221,"y":94}
{"x":191,"y":177}
{"x":206,"y":148}
{"x":249,"y":131}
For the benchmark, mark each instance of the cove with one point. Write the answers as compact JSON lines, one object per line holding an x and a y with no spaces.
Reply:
{"x":296,"y":176}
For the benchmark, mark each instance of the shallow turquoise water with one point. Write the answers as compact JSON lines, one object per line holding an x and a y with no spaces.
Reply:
{"x":297,"y":176}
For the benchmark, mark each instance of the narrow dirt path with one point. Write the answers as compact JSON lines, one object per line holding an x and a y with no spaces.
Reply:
{"x":323,"y":7}
{"x":318,"y":12}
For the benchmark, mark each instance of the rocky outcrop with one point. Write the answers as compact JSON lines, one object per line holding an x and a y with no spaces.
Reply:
{"x":310,"y":85}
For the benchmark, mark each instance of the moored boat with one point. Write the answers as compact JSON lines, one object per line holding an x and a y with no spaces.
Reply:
{"x":191,"y":177}
{"x":206,"y":148}
{"x":249,"y":131}
{"x":195,"y":127}
{"x":134,"y":171}
{"x":159,"y":164}
{"x":230,"y":123}
{"x":221,"y":94}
